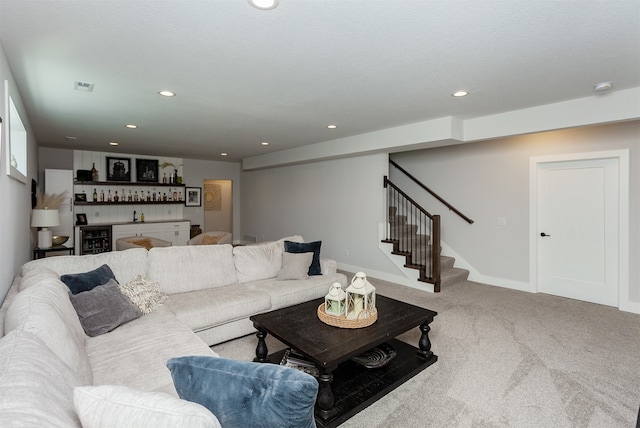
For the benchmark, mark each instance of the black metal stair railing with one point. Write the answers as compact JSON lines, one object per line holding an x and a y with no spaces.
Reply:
{"x":414,"y":233}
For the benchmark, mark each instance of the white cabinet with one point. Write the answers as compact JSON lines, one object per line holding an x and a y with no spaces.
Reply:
{"x":176,"y":232}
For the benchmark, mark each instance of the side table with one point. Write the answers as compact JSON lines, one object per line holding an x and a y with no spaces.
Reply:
{"x":40,"y":253}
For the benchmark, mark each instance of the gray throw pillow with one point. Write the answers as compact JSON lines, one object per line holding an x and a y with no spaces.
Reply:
{"x":305,"y":247}
{"x":295,"y":266}
{"x":103,"y":308}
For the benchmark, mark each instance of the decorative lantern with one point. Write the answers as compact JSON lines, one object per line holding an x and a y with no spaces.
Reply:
{"x":335,"y":301}
{"x":361,"y":297}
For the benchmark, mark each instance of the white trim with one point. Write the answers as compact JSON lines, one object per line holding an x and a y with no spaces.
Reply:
{"x":624,"y":303}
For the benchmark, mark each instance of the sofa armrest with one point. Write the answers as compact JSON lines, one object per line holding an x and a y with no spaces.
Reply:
{"x":328,"y":266}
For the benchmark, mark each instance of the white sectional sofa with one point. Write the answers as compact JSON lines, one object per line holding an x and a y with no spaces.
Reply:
{"x":212,"y":291}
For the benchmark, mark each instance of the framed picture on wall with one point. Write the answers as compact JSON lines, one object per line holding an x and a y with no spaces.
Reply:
{"x":118,"y":169}
{"x":147,"y":170}
{"x":81,"y":219}
{"x":193,"y":196}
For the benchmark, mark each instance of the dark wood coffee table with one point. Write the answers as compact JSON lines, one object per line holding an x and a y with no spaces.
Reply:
{"x":346,"y":387}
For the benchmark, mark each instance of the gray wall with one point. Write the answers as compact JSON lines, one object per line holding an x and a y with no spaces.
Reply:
{"x":490,"y":179}
{"x":340,"y":202}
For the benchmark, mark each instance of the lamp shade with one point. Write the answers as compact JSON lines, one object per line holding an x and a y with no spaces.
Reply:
{"x":45,"y":218}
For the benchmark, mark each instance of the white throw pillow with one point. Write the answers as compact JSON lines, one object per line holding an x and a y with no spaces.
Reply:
{"x":108,"y":406}
{"x":295,"y":266}
{"x":143,"y":293}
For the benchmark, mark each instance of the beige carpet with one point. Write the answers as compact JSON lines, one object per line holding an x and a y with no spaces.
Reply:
{"x":508,"y":359}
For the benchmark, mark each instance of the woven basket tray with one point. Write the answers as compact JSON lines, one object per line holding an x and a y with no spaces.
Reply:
{"x":343,"y":322}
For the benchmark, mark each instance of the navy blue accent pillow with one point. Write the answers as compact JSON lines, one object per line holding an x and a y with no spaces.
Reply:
{"x":307,"y":247}
{"x":79,"y":282}
{"x":245,"y":394}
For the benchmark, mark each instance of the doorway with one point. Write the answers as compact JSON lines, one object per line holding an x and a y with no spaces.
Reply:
{"x":217,"y":202}
{"x":579,"y":219}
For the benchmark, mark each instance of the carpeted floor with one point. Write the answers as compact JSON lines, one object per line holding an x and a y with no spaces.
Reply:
{"x":508,"y":359}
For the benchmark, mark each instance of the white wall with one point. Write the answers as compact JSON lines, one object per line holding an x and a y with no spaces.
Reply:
{"x":490,"y":179}
{"x":340,"y":202}
{"x":16,"y":235}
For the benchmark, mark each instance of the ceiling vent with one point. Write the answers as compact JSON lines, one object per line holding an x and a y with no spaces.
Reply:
{"x":83,"y":86}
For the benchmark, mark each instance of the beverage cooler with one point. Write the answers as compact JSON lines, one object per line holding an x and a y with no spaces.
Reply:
{"x":93,"y":239}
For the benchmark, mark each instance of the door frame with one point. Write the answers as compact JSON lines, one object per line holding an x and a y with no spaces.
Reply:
{"x":623,"y":227}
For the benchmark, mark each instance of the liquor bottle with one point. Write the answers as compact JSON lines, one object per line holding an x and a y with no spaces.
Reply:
{"x":94,"y":173}
{"x":154,"y":195}
{"x":136,"y":198}
{"x":109,"y":198}
{"x":142,"y":217}
{"x":164,"y":177}
{"x":102,"y":195}
{"x":129,"y":196}
{"x":180,"y":196}
{"x":148,"y":196}
{"x":164,"y":197}
{"x":175,"y":195}
{"x":115,"y":198}
{"x":95,"y":196}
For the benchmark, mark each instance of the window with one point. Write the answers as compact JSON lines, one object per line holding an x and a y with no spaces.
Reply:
{"x":16,"y":140}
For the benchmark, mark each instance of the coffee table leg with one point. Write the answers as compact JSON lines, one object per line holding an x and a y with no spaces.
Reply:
{"x":261,"y":349}
{"x":324,"y":402}
{"x":425,"y":343}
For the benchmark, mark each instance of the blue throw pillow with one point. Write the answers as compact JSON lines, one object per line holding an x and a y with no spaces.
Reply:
{"x":245,"y":394}
{"x":307,"y":247}
{"x":79,"y":282}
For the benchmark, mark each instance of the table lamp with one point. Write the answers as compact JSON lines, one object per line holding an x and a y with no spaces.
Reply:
{"x":44,"y":218}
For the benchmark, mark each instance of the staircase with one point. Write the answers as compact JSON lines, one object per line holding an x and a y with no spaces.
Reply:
{"x":408,"y":240}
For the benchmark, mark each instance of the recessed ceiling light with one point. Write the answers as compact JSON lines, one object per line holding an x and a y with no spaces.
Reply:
{"x":223,"y":154}
{"x":332,"y":126}
{"x":167,"y":93}
{"x":264,"y":4}
{"x":265,"y":143}
{"x":113,"y":143}
{"x":602,"y":86}
{"x":131,"y":126}
{"x":460,"y":94}
{"x":70,"y":138}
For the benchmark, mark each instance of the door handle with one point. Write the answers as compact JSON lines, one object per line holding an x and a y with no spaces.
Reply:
{"x":544,"y":235}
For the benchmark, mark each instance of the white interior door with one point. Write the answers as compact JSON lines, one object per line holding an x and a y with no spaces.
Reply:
{"x":577,"y":233}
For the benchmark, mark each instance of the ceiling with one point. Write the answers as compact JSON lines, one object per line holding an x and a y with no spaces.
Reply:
{"x":243,"y":76}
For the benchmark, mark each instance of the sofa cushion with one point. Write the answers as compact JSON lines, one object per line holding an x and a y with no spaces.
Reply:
{"x":208,"y":308}
{"x":295,"y":266}
{"x":135,"y":354}
{"x":124,"y":264}
{"x":119,"y":406}
{"x":45,"y":311}
{"x":260,"y":261}
{"x":104,"y":308}
{"x":274,"y":395}
{"x":181,"y":269}
{"x":79,"y":282}
{"x":292,"y":292}
{"x":211,"y":239}
{"x":305,"y":247}
{"x":145,"y":294}
{"x":37,"y":275}
{"x":36,"y":386}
